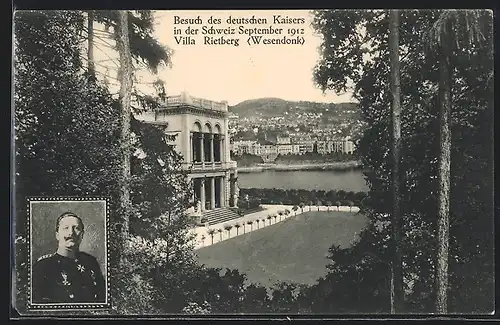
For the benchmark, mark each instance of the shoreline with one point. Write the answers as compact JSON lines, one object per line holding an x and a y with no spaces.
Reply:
{"x":342,"y":165}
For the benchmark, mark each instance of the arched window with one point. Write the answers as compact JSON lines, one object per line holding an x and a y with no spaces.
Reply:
{"x":218,"y":143}
{"x":196,"y":142}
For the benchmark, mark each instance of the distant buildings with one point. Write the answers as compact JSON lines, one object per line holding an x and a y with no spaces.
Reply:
{"x":285,"y":145}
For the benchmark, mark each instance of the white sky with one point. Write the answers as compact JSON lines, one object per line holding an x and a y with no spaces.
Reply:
{"x":238,"y":73}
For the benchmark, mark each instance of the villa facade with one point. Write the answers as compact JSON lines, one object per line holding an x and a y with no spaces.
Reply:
{"x":202,"y":138}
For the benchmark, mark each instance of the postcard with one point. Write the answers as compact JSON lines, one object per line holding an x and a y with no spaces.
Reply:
{"x":252,"y":163}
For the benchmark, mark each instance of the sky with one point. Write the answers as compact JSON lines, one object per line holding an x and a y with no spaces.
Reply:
{"x":227,"y":72}
{"x":237,"y":73}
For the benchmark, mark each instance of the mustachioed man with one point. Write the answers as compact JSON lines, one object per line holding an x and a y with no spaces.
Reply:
{"x":68,"y":275}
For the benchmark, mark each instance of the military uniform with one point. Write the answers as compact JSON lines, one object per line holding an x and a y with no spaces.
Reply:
{"x":60,"y":279}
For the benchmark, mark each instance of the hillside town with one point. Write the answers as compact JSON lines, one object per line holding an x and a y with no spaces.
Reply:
{"x":272,"y":127}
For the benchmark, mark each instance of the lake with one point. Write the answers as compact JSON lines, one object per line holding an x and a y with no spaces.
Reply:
{"x":347,"y":180}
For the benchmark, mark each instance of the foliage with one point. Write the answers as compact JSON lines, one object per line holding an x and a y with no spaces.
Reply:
{"x":295,"y":197}
{"x":136,"y":294}
{"x":197,"y":309}
{"x":66,"y":125}
{"x":66,"y":144}
{"x":144,"y":47}
{"x":284,"y":298}
{"x":246,"y":202}
{"x":309,"y":157}
{"x":159,"y":187}
{"x":247,"y":159}
{"x":350,"y":36}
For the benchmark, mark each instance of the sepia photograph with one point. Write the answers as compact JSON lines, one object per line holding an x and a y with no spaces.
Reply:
{"x":253,"y":163}
{"x":68,"y":253}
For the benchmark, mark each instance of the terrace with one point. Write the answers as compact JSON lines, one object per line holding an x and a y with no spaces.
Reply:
{"x":186,"y":99}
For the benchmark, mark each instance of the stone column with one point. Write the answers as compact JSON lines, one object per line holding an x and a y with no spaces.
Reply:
{"x":202,"y":194}
{"x":222,"y":192}
{"x":226,"y":136}
{"x":194,"y":192}
{"x":212,"y":148}
{"x":231,"y":189}
{"x":191,"y":149}
{"x":202,"y":139}
{"x":236,"y":189}
{"x":212,"y":193}
{"x":222,"y":148}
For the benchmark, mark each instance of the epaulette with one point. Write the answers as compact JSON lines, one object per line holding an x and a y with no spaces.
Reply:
{"x":45,"y":256}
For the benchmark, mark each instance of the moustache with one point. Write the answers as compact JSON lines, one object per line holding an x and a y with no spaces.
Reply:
{"x":73,"y":238}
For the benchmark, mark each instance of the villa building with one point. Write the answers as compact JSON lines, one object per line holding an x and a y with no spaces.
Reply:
{"x":202,"y":138}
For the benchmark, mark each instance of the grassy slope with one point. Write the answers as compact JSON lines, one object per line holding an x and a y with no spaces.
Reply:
{"x":293,"y":250}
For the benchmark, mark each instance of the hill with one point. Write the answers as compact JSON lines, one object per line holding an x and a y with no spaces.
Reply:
{"x":266,"y":107}
{"x":293,"y":250}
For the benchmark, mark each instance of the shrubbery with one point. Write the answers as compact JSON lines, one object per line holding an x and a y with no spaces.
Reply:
{"x":295,"y":197}
{"x":316,"y":157}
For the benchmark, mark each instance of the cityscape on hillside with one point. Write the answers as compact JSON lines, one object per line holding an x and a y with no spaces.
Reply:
{"x":271,"y":127}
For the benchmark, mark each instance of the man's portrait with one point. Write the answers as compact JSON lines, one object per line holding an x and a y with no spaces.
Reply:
{"x":68,"y":252}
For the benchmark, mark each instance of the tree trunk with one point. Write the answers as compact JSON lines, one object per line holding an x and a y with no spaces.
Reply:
{"x":397,"y":287}
{"x":124,"y":98}
{"x":168,"y":238}
{"x":90,"y":50}
{"x":443,"y":179}
{"x":393,"y":308}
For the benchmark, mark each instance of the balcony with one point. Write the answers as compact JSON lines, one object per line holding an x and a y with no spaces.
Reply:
{"x":186,"y":99}
{"x":210,"y":166}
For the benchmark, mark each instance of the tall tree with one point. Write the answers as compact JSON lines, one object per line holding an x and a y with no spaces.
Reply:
{"x":470,"y":259}
{"x":145,"y":50}
{"x":90,"y":49}
{"x":443,"y":214}
{"x":445,"y":37}
{"x":57,"y":107}
{"x":397,"y":295}
{"x":123,"y":46}
{"x":341,"y":65}
{"x":65,"y":126}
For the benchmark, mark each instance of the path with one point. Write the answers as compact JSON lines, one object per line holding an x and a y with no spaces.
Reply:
{"x":268,"y":209}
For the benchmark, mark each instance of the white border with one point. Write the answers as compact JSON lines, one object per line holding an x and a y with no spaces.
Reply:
{"x":68,"y":306}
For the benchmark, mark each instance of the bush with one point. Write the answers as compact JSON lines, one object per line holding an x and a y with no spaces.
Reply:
{"x":252,"y":197}
{"x":194,"y":308}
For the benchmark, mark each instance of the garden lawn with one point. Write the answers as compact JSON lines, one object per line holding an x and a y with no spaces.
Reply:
{"x":292,"y":250}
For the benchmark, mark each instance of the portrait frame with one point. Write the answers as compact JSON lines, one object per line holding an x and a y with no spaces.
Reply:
{"x":78,"y":204}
